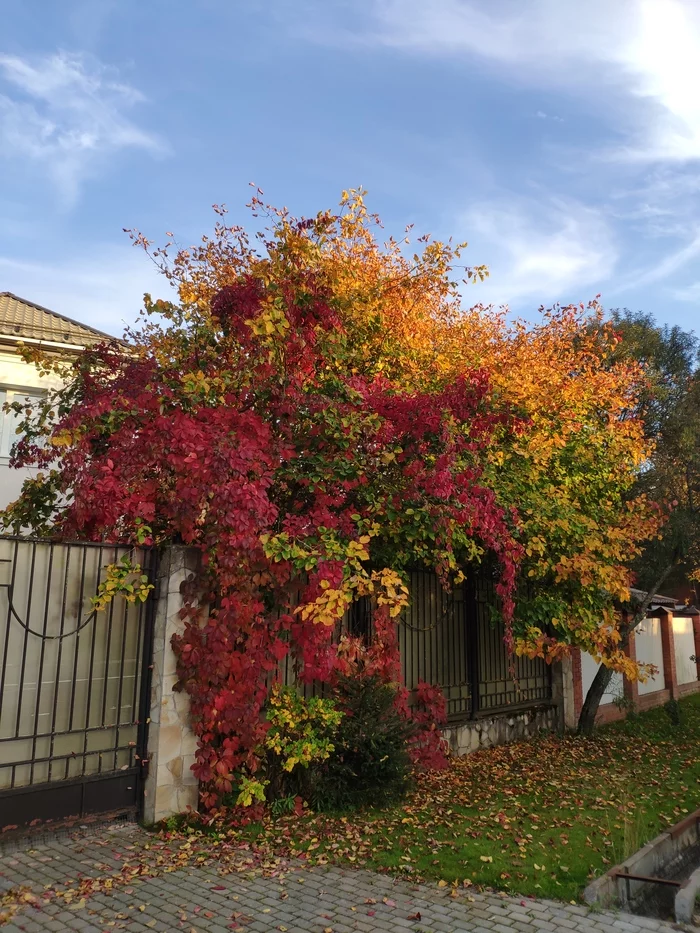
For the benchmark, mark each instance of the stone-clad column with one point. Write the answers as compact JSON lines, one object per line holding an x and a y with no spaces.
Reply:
{"x":170,"y":786}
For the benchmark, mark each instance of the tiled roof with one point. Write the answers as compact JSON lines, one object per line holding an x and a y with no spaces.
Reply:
{"x":26,"y":320}
{"x":658,"y":600}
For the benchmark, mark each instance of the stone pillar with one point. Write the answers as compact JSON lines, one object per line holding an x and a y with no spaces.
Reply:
{"x":568,"y":693}
{"x":631,"y":687}
{"x":670,"y":680}
{"x":578,"y":682}
{"x":170,"y":786}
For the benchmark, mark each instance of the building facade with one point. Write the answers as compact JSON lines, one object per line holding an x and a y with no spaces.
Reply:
{"x":23,"y":322}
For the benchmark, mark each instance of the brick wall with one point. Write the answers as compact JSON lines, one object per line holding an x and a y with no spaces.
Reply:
{"x":610,"y":712}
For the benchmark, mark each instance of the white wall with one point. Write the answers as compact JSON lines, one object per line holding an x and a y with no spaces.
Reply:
{"x":17,"y":381}
{"x":684,"y":644}
{"x":650,"y":651}
{"x":589,"y":666}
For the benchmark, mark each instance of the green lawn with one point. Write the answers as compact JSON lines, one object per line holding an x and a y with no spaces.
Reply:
{"x":539,"y":817}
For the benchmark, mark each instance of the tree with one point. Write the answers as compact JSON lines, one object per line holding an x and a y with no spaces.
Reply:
{"x":316,"y":414}
{"x":669,"y":409}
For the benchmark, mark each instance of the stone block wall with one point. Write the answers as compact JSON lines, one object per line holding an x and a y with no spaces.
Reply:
{"x":502,"y":728}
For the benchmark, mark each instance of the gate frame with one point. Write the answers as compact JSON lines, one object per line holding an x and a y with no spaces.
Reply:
{"x":40,"y":800}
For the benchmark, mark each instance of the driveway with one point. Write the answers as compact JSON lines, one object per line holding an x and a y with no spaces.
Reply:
{"x":119,"y":877}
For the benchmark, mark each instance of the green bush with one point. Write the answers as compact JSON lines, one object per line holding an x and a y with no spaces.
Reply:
{"x":370,"y":763}
{"x":674,"y":713}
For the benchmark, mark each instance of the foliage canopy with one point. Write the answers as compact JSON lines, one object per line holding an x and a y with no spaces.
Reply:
{"x":316,"y":413}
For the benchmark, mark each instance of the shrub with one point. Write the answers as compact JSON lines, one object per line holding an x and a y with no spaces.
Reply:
{"x":370,"y":762}
{"x":301,"y":733}
{"x":673,"y":711}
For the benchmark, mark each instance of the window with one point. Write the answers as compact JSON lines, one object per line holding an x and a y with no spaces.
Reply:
{"x":10,"y":420}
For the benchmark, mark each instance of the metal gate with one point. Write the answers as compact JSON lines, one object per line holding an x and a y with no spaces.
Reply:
{"x":74,"y":683}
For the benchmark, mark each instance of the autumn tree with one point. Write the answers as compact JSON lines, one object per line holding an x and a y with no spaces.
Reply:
{"x":668,"y":409}
{"x":317,"y":413}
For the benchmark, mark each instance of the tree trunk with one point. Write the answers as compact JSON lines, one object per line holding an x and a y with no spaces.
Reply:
{"x":589,"y":710}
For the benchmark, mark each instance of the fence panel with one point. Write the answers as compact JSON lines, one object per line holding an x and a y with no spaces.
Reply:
{"x":450,"y":639}
{"x":503,"y":680}
{"x":433,"y":641}
{"x":684,"y":649}
{"x":649,"y":650}
{"x":71,"y":679}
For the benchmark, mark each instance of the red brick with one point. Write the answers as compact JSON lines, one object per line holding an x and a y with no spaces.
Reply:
{"x":670,"y":679}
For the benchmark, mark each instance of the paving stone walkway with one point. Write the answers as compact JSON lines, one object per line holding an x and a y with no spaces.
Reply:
{"x":199,"y":899}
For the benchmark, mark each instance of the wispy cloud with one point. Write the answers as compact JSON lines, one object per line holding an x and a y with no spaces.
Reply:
{"x":543,"y":251}
{"x":644,"y":55}
{"x":68,"y":115}
{"x":664,"y":268}
{"x":634,"y":65}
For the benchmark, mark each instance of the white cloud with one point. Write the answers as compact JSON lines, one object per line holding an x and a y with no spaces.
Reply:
{"x":546,"y":252}
{"x":638,"y":60}
{"x":67,"y":114}
{"x":541,"y":115}
{"x":103,"y":287}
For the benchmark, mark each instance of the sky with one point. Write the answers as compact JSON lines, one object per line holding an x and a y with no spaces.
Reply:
{"x":560,"y":139}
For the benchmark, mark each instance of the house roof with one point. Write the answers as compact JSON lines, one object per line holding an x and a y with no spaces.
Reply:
{"x":658,"y":600}
{"x":661,"y":604}
{"x":24,"y":320}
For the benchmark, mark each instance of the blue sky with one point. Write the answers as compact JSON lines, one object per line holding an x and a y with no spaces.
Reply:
{"x":561,"y":139}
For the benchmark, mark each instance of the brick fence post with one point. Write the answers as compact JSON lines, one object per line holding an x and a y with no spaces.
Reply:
{"x":170,"y":786}
{"x":667,"y":644}
{"x":696,"y":633}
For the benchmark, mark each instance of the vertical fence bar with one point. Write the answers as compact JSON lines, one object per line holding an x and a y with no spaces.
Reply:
{"x":40,"y":675}
{"x":108,"y":653}
{"x":6,"y":647}
{"x":76,"y":650}
{"x":25,"y":641}
{"x":471,"y":615}
{"x":120,"y":688}
{"x":57,"y":687}
{"x":145,"y":677}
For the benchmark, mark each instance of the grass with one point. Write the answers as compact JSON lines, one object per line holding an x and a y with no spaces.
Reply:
{"x":540,"y":817}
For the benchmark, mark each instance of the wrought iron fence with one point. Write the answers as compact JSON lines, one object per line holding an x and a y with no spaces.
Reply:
{"x":73,"y":683}
{"x":455,"y":640}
